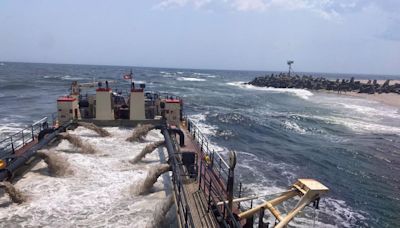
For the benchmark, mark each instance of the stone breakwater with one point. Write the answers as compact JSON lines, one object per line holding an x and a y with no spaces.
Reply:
{"x":320,"y":83}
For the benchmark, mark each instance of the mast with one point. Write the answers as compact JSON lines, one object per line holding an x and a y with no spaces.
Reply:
{"x":290,"y":62}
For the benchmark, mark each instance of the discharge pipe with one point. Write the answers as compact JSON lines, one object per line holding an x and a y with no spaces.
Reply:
{"x":180,"y":133}
{"x":168,"y":142}
{"x":8,"y":172}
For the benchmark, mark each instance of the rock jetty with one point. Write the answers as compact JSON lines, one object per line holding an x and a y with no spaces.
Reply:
{"x":319,"y":83}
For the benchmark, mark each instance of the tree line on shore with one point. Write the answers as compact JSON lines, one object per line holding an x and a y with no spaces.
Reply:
{"x":283,"y":80}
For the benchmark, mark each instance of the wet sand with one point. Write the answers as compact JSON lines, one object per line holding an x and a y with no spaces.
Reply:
{"x":391,"y":99}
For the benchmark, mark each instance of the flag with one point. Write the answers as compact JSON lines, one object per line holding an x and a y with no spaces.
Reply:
{"x":128,"y":76}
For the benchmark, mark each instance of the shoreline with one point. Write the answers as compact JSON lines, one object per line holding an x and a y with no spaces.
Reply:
{"x":382,"y":90}
{"x":390,"y":99}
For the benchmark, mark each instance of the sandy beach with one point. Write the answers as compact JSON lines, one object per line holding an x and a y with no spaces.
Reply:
{"x":391,"y":99}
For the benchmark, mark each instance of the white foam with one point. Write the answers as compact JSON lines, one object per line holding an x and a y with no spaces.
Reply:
{"x":166,"y":74}
{"x":98,"y":192}
{"x":70,"y":78}
{"x":375,"y":111}
{"x":205,"y":75}
{"x":338,"y":212}
{"x":51,"y":76}
{"x":191,"y":79}
{"x":207,"y":130}
{"x":9,"y":128}
{"x":290,"y":125}
{"x":199,"y":120}
{"x":302,"y":93}
{"x":360,"y":126}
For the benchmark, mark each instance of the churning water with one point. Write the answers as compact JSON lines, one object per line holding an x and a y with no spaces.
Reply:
{"x":97,"y":194}
{"x":349,"y":144}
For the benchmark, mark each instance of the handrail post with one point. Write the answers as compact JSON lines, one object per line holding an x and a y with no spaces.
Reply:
{"x":231,"y":179}
{"x":12,"y":144}
{"x":240,"y":193}
{"x":212,"y":159}
{"x":33,"y":137}
{"x":201,"y":170}
{"x":209,"y":195}
{"x":23,"y":138}
{"x":261,"y":217}
{"x":220,"y":167}
{"x":186,"y":215}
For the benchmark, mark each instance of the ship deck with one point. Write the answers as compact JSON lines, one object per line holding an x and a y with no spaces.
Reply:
{"x":202,"y":216}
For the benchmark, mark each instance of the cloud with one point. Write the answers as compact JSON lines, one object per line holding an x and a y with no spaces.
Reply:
{"x":249,"y":5}
{"x":166,"y":4}
{"x":327,"y":9}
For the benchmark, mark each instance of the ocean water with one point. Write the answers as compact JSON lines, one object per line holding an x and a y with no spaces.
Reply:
{"x":351,"y":145}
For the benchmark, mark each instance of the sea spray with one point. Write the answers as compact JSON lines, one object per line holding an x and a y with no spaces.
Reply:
{"x":77,"y":142}
{"x":56,"y":164}
{"x":102,"y":132}
{"x":140,"y":132}
{"x":15,"y":195}
{"x":151,"y":178}
{"x":160,"y":213}
{"x":147,"y":150}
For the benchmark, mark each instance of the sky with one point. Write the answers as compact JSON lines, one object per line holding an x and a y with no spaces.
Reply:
{"x":335,"y":36}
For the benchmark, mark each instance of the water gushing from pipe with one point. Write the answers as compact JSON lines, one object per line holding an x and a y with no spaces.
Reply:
{"x":140,"y":132}
{"x":102,"y":132}
{"x":15,"y":195}
{"x":151,"y":178}
{"x":56,"y":164}
{"x":160,"y":213}
{"x":77,"y":142}
{"x":147,"y":150}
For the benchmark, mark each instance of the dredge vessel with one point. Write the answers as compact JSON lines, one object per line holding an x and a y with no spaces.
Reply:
{"x":204,"y":187}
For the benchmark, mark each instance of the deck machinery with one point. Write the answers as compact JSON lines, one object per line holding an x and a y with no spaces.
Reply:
{"x":205,"y":190}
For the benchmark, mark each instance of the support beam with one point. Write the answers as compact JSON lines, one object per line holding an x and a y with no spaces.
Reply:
{"x":285,"y":196}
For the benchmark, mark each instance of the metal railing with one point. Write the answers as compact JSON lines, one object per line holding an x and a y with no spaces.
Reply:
{"x":214,"y":173}
{"x":185,"y":216}
{"x":218,"y":163}
{"x":11,"y":144}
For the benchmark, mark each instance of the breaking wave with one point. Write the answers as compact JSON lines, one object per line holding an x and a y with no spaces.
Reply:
{"x":191,"y":79}
{"x":208,"y":131}
{"x":302,"y":93}
{"x":361,"y":126}
{"x":71,"y":78}
{"x":377,"y":111}
{"x":205,"y":75}
{"x":199,"y":120}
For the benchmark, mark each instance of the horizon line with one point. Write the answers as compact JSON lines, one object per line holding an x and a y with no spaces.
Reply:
{"x":205,"y":69}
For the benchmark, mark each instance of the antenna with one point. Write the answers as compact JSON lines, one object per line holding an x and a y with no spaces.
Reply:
{"x":290,"y":62}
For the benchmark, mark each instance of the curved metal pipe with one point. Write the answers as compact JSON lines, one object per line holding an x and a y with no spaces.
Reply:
{"x":168,"y":142}
{"x":21,"y":160}
{"x":180,"y":133}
